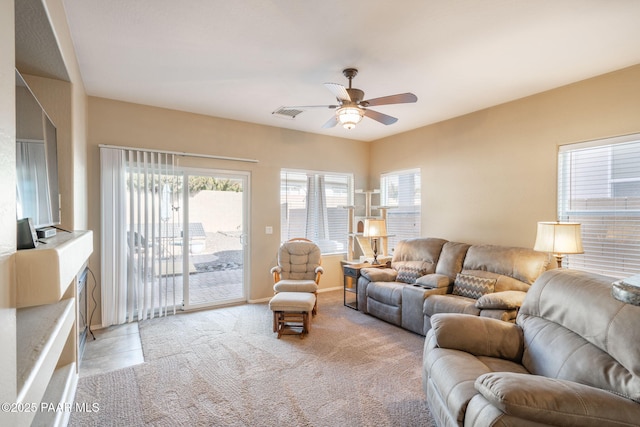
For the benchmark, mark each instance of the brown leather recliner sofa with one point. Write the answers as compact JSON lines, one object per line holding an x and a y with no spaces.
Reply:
{"x":571,"y":358}
{"x":430,"y":275}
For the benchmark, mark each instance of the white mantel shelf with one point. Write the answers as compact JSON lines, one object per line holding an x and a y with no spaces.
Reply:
{"x":43,"y":274}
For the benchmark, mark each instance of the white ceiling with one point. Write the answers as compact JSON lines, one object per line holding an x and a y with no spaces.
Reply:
{"x":243,"y":59}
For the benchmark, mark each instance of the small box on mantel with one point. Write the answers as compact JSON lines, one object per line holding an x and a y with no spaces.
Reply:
{"x":46,"y":232}
{"x":627,"y":290}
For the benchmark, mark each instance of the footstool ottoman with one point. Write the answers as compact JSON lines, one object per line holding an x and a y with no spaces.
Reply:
{"x":291,"y":312}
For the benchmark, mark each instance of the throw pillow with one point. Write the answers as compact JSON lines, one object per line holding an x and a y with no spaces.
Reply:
{"x":474,"y":287}
{"x":409,"y":275}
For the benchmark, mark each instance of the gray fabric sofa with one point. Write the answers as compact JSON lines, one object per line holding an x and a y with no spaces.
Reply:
{"x":430,"y":275}
{"x":571,"y":358}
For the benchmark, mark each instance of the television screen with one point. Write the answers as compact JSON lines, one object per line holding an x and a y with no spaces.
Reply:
{"x":36,"y":160}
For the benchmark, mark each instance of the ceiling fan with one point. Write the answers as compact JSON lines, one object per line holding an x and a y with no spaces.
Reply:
{"x":351,"y":107}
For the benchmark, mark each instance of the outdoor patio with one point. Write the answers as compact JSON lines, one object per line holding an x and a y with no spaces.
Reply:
{"x":215,"y":276}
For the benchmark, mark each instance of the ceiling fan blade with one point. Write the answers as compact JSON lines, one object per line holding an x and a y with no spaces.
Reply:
{"x":401,"y":98}
{"x":331,"y":122}
{"x":339,"y":91}
{"x":379,"y":117}
{"x":301,"y":107}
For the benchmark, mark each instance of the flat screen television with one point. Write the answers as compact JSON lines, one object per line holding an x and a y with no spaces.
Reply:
{"x":37,"y":192}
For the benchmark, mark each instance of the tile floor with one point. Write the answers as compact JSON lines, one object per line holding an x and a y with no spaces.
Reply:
{"x":119,"y":346}
{"x":114,"y":348}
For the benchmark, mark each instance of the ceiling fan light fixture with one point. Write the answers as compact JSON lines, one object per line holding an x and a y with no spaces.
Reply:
{"x":349,"y":117}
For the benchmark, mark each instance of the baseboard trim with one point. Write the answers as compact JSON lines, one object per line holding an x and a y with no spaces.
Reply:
{"x":337,"y":288}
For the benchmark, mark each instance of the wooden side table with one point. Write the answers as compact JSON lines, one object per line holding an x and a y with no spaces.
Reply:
{"x":351,"y":276}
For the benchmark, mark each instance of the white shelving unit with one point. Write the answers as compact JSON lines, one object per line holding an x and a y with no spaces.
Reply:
{"x":46,"y":325}
{"x":358,"y":245}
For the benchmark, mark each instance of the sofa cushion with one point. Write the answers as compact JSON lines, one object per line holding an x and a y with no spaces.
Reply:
{"x":451,"y":258}
{"x":521,"y":264}
{"x":296,"y":286}
{"x":450,"y":304}
{"x":472,"y":286}
{"x":424,"y":250}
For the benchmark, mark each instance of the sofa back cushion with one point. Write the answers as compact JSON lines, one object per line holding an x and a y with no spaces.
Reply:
{"x":519,"y":266}
{"x":419,"y":253}
{"x":451,"y":258}
{"x":575,"y":330}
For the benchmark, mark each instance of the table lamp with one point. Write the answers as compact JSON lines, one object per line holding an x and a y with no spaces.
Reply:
{"x":374,"y":229}
{"x":559,"y":238}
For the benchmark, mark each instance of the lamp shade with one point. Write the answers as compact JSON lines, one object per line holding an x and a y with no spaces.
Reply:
{"x":559,"y":238}
{"x":349,"y":117}
{"x":375,"y":228}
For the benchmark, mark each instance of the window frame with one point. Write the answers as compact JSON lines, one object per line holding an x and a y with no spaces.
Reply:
{"x":327,"y":246}
{"x":608,"y":225}
{"x":395,"y":233}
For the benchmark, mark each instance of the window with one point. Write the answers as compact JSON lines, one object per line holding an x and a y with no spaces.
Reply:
{"x":401,"y":192}
{"x":312,"y":206}
{"x":599,"y":187}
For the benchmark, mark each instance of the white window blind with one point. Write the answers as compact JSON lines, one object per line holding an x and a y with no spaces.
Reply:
{"x":400,"y":191}
{"x":599,"y":187}
{"x":139,"y":207}
{"x":312,"y":206}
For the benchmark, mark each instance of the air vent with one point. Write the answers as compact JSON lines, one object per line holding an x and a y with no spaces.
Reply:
{"x":289,"y":113}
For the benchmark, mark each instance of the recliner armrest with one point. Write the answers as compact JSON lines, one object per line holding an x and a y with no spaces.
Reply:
{"x":506,"y":300}
{"x":555,"y":401}
{"x":373,"y":274}
{"x":433,"y":281}
{"x":480,"y":336}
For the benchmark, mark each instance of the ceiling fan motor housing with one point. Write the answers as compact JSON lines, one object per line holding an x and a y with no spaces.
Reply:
{"x":356,"y":95}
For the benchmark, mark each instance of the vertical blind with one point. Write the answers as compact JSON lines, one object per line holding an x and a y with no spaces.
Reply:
{"x":599,"y":187}
{"x":138,"y":205}
{"x":312,"y":206}
{"x":400,"y":191}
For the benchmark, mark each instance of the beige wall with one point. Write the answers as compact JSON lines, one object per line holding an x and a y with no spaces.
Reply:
{"x":490,"y":176}
{"x":125,"y":124}
{"x":7,"y":210}
{"x":73,"y":162}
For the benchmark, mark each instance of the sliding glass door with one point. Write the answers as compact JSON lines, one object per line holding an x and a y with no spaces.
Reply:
{"x":213,"y":239}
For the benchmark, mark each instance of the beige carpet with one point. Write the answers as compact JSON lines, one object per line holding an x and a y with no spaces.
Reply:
{"x":225,"y":367}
